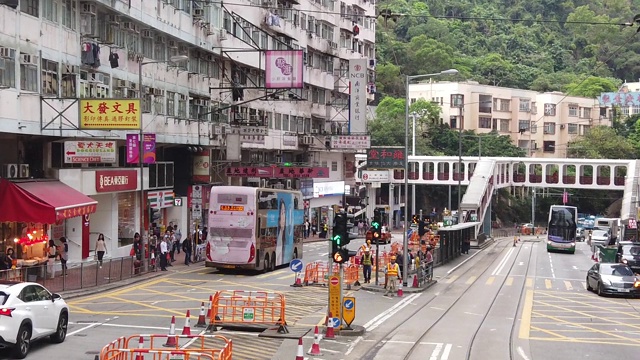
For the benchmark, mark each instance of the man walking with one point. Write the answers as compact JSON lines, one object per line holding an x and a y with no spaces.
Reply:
{"x":393,"y":275}
{"x":163,"y":255}
{"x":366,"y":265}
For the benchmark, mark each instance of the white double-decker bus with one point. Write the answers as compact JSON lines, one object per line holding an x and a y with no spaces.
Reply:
{"x":561,"y":230}
{"x":254,"y":228}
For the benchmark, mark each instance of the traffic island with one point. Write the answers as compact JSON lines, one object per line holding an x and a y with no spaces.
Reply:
{"x":405,"y":289}
{"x":294,"y":332}
{"x":355,"y":330}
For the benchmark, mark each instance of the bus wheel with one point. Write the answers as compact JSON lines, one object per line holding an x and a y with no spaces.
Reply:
{"x":266,"y":263}
{"x":295,"y":253}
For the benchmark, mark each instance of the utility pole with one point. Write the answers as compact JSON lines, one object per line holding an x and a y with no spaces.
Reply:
{"x":533,"y":208}
{"x":460,"y":172}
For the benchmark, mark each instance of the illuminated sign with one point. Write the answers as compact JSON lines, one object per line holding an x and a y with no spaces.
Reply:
{"x":231,"y":208}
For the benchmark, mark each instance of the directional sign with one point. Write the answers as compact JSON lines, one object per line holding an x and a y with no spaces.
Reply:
{"x":296,"y":265}
{"x":334,"y":296}
{"x":335,"y":322}
{"x":348,"y":309}
{"x":78,"y":152}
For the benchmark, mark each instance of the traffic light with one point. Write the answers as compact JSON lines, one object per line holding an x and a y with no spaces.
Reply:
{"x":342,"y":255}
{"x":340,"y":229}
{"x":422,"y":228}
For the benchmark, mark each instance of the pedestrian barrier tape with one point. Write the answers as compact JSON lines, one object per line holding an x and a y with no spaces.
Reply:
{"x":239,"y":307}
{"x":128,"y":348}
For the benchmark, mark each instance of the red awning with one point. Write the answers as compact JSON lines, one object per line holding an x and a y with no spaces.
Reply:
{"x":42,"y":201}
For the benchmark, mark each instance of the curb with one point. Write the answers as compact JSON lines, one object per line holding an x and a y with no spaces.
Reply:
{"x":484,"y":244}
{"x":356,"y":331}
{"x":406,"y":290}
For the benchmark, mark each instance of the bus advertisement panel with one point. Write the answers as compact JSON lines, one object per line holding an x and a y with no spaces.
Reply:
{"x":284,"y":219}
{"x":561,"y":231}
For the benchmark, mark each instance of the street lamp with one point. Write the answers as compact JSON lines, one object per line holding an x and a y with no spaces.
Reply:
{"x":408,"y":78}
{"x":173,"y":59}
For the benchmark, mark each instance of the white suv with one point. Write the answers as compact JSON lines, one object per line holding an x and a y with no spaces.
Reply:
{"x":28,"y":311}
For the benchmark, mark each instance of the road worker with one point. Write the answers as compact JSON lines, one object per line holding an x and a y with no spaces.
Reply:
{"x":393,"y":274}
{"x":366,"y":265}
{"x":366,"y":246}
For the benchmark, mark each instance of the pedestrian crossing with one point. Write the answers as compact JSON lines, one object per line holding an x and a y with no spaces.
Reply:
{"x":537,"y":283}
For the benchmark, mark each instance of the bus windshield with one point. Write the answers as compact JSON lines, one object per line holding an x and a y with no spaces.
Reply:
{"x":562,"y":224}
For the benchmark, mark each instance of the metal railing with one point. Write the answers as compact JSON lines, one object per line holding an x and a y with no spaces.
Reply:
{"x":77,"y":276}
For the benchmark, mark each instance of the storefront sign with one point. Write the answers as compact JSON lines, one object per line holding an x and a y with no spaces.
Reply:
{"x":116,"y":180}
{"x":133,"y":148}
{"x":358,"y":96}
{"x":82,"y":152}
{"x":201,"y":167}
{"x":328,"y":189}
{"x":112,"y":114}
{"x":375,"y":176}
{"x":306,"y":188}
{"x":284,"y":69}
{"x":280,"y":172}
{"x":385,"y":158}
{"x":289,"y":140}
{"x":160,"y":199}
{"x":149,"y":146}
{"x":350,"y":141}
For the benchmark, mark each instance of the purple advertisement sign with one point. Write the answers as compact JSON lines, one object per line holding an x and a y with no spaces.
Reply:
{"x":149,"y":145}
{"x":133,"y":151}
{"x":284,"y":69}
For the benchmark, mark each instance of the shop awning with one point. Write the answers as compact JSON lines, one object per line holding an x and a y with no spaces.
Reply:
{"x":42,"y":201}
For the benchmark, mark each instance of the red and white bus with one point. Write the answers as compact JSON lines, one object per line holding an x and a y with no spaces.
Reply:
{"x":254,"y":228}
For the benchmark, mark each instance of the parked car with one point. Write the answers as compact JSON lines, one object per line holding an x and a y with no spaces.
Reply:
{"x":28,"y":311}
{"x":629,"y":254}
{"x":612,"y":278}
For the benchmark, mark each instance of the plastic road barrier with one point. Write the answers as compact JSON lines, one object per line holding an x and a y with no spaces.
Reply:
{"x":128,"y":348}
{"x":239,"y":307}
{"x":317,"y":273}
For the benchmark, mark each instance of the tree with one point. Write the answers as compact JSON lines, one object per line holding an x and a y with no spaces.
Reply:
{"x":591,"y":87}
{"x":602,"y":142}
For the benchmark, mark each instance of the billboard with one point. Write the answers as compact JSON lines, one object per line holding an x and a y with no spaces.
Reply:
{"x":350,"y":141}
{"x":279,"y":172}
{"x":358,"y":96}
{"x":284,"y":69}
{"x":83,"y":152}
{"x":385,"y":158}
{"x":287,"y":215}
{"x":109,"y":114}
{"x":619,"y":98}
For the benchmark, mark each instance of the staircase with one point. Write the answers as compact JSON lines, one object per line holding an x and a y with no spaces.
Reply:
{"x":477,"y":198}
{"x":630,"y":197}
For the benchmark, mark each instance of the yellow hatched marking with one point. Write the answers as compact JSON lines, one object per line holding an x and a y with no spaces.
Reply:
{"x":529,"y":282}
{"x":452,"y":279}
{"x":491,"y":280}
{"x":568,"y":285}
{"x":509,"y":281}
{"x":548,"y":284}
{"x":471,"y":280}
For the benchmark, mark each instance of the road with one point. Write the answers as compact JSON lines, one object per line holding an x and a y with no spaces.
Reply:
{"x":503,"y":302}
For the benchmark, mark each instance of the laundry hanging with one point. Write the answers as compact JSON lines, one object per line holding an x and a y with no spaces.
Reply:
{"x":113,"y":59}
{"x":90,"y":54}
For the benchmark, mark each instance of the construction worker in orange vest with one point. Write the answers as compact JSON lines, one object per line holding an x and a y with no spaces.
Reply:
{"x":393,"y":272}
{"x":366,"y":246}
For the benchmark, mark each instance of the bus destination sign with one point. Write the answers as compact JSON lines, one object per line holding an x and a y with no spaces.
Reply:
{"x":231,"y":208}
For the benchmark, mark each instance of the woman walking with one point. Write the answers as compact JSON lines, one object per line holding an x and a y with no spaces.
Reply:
{"x":101,"y":249}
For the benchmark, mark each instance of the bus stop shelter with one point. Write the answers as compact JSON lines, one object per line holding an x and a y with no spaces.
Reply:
{"x":451,"y":240}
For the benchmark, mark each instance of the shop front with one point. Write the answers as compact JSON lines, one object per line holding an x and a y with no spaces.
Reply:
{"x":34,"y":212}
{"x":327,"y":199}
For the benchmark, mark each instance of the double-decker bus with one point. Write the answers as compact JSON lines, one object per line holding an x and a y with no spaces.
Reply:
{"x":561,"y":231}
{"x":254,"y":228}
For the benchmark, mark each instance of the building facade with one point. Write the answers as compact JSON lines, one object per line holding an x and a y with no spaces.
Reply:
{"x":540,"y":123}
{"x":206,"y":101}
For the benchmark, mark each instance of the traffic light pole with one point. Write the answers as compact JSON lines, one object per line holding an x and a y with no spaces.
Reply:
{"x":341,"y":295}
{"x":377,"y":262}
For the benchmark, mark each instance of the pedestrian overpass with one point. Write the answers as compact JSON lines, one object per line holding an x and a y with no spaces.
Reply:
{"x":484,"y":175}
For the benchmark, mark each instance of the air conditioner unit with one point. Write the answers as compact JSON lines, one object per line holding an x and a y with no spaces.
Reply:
{"x":172,"y":44}
{"x":29,"y":59}
{"x":88,"y":8}
{"x":11,"y":171}
{"x":24,"y":171}
{"x":147,"y":34}
{"x":133,"y":86}
{"x":223,"y":34}
{"x":136,"y":28}
{"x":198,"y":102}
{"x":160,"y":39}
{"x":289,"y":185}
{"x":96,"y":78}
{"x":69,"y":69}
{"x":264,"y":183}
{"x":113,"y":20}
{"x":198,"y":13}
{"x":128,"y":26}
{"x":6,"y":52}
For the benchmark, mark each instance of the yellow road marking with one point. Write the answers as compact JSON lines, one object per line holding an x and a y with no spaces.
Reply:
{"x":593,"y":341}
{"x":596,"y":305}
{"x":471,"y":280}
{"x":491,"y":280}
{"x":568,"y":285}
{"x":159,"y":308}
{"x":535,"y":328}
{"x":548,"y":284}
{"x":289,"y":276}
{"x":525,"y":321}
{"x":124,"y":290}
{"x":529,"y":282}
{"x":451,"y":279}
{"x":509,"y":281}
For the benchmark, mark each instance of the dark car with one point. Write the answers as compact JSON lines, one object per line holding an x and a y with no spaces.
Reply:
{"x":629,"y":254}
{"x":612,"y":278}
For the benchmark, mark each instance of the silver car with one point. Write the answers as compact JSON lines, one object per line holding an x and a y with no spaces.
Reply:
{"x":600,"y":237}
{"x":611,"y":278}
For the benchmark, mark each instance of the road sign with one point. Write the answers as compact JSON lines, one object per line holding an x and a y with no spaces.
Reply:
{"x":348,"y":309}
{"x":248,"y":314}
{"x":335,"y":322}
{"x":335,"y":304}
{"x":296,"y":265}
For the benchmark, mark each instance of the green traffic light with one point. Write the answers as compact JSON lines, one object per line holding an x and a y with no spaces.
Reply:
{"x":337,"y":239}
{"x":375,"y":225}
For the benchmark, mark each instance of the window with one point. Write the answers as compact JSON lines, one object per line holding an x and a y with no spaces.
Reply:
{"x":504,"y":125}
{"x":534,"y":128}
{"x":549,"y":146}
{"x":534,"y":109}
{"x":69,"y":13}
{"x":49,"y":77}
{"x":549,"y":128}
{"x":484,"y":122}
{"x":8,"y":70}
{"x":334,"y":166}
{"x":457,"y":100}
{"x":453,"y":122}
{"x":524,"y":125}
{"x":586,"y":113}
{"x":28,"y":77}
{"x":573,"y":129}
{"x":505,"y":105}
{"x":69,"y":81}
{"x":573,"y":110}
{"x":171,"y":103}
{"x":585,"y":129}
{"x":525,"y":105}
{"x":50,"y":10}
{"x":549,"y":109}
{"x":29,"y":7}
{"x":182,"y":106}
{"x":285,"y":122}
{"x":158,"y":103}
{"x":146,"y":103}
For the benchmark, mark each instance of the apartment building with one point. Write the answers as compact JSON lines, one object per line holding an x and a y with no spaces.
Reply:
{"x":541,"y":123}
{"x":625,"y":102}
{"x":208,"y":109}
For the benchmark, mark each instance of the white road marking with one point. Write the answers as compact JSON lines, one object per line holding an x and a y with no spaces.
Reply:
{"x":502,"y":263}
{"x":385,"y":315}
{"x":353,"y":346}
{"x":553,"y":273}
{"x":84,"y":328}
{"x":462,"y":263}
{"x":324,"y":254}
{"x":521,"y":263}
{"x":522,"y":354}
{"x":470,"y":313}
{"x":575,"y":267}
{"x":436,"y":352}
{"x":446,"y":352}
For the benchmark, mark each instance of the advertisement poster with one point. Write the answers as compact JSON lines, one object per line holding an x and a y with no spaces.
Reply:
{"x":287,"y":214}
{"x":149,"y":145}
{"x":133,"y":151}
{"x":284,"y":69}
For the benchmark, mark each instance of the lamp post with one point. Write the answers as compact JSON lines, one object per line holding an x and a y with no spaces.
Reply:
{"x":408,"y":78}
{"x":460,"y":172}
{"x":173,"y":59}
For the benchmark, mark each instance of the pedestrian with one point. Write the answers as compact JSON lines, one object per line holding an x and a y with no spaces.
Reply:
{"x":164,"y":252}
{"x":137,"y":247}
{"x":307,"y":226}
{"x":167,"y":241}
{"x":400,"y":262}
{"x":101,"y":249}
{"x":6,"y":262}
{"x":366,"y":265}
{"x":393,"y":274}
{"x":467,"y":245}
{"x":64,"y":255}
{"x":171,"y":243}
{"x":186,"y":248}
{"x":51,"y":260}
{"x":177,"y":234}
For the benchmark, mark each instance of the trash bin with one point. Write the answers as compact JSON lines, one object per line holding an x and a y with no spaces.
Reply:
{"x":607,"y":254}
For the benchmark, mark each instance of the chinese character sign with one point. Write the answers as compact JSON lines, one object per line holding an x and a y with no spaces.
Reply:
{"x":284,"y":69}
{"x":133,"y":149}
{"x":358,"y":96}
{"x":90,"y":151}
{"x":350,"y":141}
{"x":385,"y":158}
{"x":620,"y":99}
{"x":109,"y":114}
{"x":149,"y":146}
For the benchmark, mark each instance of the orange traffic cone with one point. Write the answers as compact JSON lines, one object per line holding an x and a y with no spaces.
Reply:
{"x":210,"y":306}
{"x":415,"y":281}
{"x":172,"y":341}
{"x":330,"y":333}
{"x":186,"y":330}
{"x":139,"y":355}
{"x":202,"y":321}
{"x":300,"y":354}
{"x":400,"y":288}
{"x":298,"y":281}
{"x":315,"y":348}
